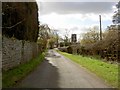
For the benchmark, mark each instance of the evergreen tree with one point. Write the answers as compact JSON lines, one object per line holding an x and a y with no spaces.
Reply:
{"x":116,"y":16}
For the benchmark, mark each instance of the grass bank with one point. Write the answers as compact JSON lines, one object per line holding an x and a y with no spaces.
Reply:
{"x":108,"y":72}
{"x":11,"y":77}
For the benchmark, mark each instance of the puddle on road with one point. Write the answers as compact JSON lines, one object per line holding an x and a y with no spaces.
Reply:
{"x":52,"y":55}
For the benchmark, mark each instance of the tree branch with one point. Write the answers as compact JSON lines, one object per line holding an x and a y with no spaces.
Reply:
{"x":14,"y":24}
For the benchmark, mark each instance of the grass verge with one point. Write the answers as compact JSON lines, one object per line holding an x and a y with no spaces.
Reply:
{"x":11,"y":77}
{"x":108,"y":72}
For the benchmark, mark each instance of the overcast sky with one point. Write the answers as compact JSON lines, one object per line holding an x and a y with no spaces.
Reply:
{"x":76,"y":7}
{"x":75,"y":16}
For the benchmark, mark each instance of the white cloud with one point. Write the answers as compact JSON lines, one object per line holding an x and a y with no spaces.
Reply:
{"x":69,"y":20}
{"x":74,"y":17}
{"x":53,"y":20}
{"x":76,"y":23}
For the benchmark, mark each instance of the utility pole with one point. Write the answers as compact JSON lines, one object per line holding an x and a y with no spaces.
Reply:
{"x":100,"y":28}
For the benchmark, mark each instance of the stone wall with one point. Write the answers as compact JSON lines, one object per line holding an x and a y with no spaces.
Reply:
{"x":15,"y":52}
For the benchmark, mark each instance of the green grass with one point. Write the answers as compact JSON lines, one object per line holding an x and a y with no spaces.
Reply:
{"x":11,"y":77}
{"x":108,"y":72}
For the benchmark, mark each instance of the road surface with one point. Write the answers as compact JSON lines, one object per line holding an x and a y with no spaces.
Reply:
{"x":56,"y":71}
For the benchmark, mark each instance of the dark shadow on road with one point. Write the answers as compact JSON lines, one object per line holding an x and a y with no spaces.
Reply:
{"x":44,"y":76}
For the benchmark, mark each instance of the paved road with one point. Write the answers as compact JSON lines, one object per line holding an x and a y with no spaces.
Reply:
{"x":59,"y":72}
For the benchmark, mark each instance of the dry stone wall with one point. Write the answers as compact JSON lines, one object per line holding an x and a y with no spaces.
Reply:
{"x":15,"y":52}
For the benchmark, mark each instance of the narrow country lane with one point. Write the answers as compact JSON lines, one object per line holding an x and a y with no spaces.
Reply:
{"x":56,"y":71}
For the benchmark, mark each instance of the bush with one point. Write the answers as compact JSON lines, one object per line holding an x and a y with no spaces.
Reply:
{"x":70,"y":50}
{"x":63,"y":49}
